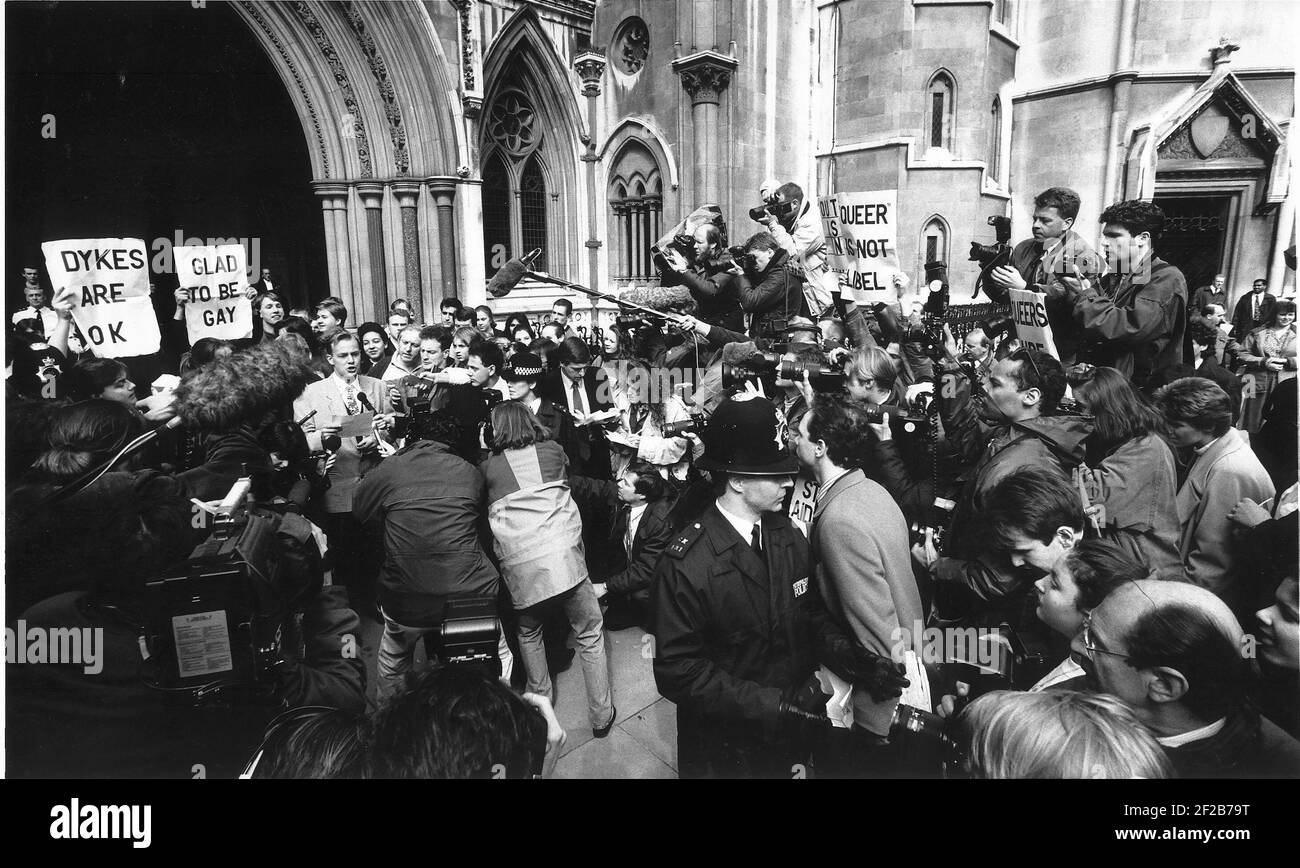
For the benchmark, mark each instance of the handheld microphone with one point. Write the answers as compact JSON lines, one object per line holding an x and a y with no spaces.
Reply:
{"x":369,"y":407}
{"x":509,"y":275}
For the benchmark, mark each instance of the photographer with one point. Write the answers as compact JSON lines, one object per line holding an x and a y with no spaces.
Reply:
{"x":1056,"y":250}
{"x":896,"y":455}
{"x":772,"y":293}
{"x":1134,"y":317}
{"x":105,"y":716}
{"x":428,"y":503}
{"x":458,"y":723}
{"x":797,"y":228}
{"x":1014,"y":425}
{"x":712,"y":277}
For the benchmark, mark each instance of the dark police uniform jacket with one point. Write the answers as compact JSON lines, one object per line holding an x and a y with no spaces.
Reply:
{"x":733,"y":632}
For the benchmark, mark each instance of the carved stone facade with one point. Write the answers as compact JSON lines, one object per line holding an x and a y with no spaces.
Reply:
{"x":393,"y":112}
{"x":331,"y":55}
{"x":705,"y":76}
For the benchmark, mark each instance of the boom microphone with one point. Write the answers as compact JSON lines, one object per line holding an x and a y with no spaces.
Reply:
{"x":242,"y":388}
{"x":509,"y":275}
{"x":217,"y":398}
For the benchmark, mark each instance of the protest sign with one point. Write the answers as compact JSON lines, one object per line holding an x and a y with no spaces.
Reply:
{"x":215,"y":277}
{"x":862,"y":243}
{"x":110,"y":280}
{"x":1029,"y":311}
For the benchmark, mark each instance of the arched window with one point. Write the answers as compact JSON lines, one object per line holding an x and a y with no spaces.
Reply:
{"x":496,"y":213}
{"x":513,"y":172}
{"x":532,"y":210}
{"x":941,"y":94}
{"x":934,"y":240}
{"x":636,"y":204}
{"x":995,"y":143}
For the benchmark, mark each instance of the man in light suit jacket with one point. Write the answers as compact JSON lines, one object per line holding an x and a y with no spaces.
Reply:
{"x":861,"y":553}
{"x":346,"y":393}
{"x":1225,"y":470}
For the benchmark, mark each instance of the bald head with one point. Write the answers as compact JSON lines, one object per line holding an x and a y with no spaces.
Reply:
{"x":1171,"y":650}
{"x":1136,"y":600}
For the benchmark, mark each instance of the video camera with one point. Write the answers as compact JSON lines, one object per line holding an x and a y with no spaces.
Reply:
{"x":214,"y":625}
{"x":912,"y":421}
{"x":822,"y":374}
{"x":774,"y":206}
{"x":694,"y":424}
{"x":626,"y":322}
{"x":469,"y":634}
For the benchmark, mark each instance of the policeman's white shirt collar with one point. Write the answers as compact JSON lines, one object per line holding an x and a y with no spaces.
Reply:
{"x":1195,"y":735}
{"x":743,"y":527}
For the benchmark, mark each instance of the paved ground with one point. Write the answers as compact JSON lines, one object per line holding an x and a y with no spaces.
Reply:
{"x":643,"y":743}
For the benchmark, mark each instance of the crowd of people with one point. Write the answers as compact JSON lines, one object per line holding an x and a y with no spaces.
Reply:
{"x":824,"y":513}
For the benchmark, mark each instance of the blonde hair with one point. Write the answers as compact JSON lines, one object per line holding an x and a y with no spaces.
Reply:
{"x":873,"y":363}
{"x":1059,"y":734}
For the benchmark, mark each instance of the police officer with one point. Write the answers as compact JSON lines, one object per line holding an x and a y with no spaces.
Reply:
{"x":739,"y":628}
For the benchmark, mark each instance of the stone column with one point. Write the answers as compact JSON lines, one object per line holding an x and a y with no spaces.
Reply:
{"x":408,"y":196}
{"x":334,"y":202}
{"x":705,"y":75}
{"x":444,"y":197}
{"x":374,"y":271}
{"x":331,"y":261}
{"x":590,"y":65}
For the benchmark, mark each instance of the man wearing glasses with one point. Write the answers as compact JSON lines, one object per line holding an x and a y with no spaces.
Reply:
{"x":1013,"y":425}
{"x":1175,"y":654}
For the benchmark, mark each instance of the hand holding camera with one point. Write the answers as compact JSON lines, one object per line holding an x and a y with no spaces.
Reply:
{"x":1008,"y":277}
{"x":879,"y":676}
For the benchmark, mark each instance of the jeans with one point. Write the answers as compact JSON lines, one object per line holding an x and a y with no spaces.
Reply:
{"x":397,"y":650}
{"x":583,"y":611}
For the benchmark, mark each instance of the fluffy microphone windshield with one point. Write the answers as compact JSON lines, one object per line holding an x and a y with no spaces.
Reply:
{"x":227,"y":393}
{"x":661,"y":298}
{"x":507,"y":277}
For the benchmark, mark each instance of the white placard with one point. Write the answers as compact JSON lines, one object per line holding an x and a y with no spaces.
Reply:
{"x":110,"y":279}
{"x":215,"y":277}
{"x":1029,"y":310}
{"x":861,"y":232}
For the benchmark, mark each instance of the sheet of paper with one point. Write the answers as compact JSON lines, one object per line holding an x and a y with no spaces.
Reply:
{"x":839,"y":708}
{"x":357,"y":426}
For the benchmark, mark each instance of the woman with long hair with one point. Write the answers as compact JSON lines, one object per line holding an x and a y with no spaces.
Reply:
{"x":1130,"y":469}
{"x":375,"y":346}
{"x":640,"y":432}
{"x":123,"y":528}
{"x":1269,"y":353}
{"x":518,"y":328}
{"x":537,"y":532}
